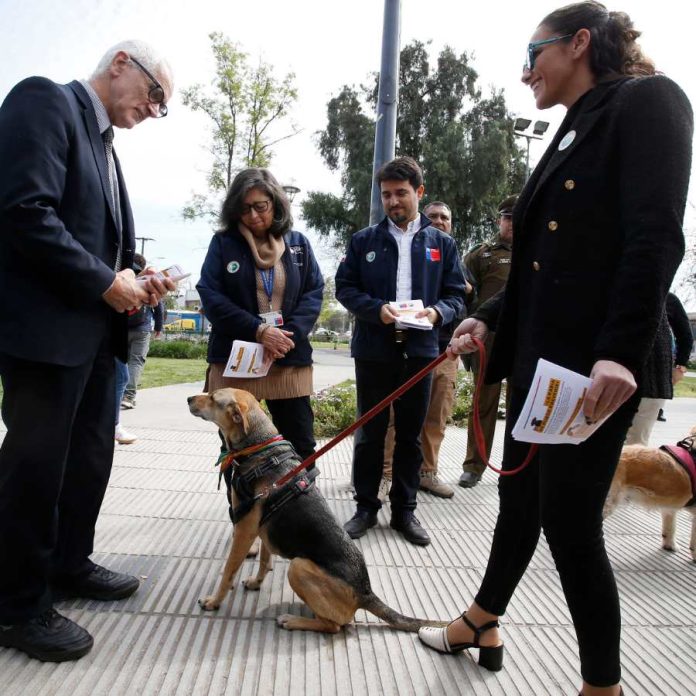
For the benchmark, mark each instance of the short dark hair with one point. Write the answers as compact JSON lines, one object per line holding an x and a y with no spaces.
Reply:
{"x":401,"y":169}
{"x":139,"y":263}
{"x":244,"y":182}
{"x":613,"y":45}
{"x":437,"y":204}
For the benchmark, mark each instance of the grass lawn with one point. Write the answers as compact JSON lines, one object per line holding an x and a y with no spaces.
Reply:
{"x":687,"y":387}
{"x":160,"y":372}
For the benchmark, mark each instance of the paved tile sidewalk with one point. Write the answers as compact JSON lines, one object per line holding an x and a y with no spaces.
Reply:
{"x":164,"y":520}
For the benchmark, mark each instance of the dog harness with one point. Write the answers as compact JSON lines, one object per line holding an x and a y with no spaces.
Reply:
{"x":683,"y":452}
{"x":243,"y":483}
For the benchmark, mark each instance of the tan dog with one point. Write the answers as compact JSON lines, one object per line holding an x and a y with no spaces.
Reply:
{"x":651,"y":478}
{"x":327,"y":569}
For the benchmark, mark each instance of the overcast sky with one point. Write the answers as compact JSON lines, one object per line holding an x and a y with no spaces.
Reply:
{"x":326,"y":44}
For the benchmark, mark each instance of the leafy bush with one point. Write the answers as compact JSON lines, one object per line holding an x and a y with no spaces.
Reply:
{"x":178,"y":348}
{"x":335,"y":408}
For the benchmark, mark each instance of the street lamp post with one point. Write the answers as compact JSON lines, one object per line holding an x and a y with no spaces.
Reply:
{"x":520,"y":127}
{"x":142,"y":243}
{"x":291,"y":191}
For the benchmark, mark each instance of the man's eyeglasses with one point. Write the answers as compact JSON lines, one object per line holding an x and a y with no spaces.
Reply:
{"x":533,"y":50}
{"x":155,"y":94}
{"x":258,"y":206}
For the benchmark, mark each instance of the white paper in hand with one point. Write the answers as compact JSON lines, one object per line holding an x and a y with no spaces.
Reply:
{"x":407,"y":315}
{"x":247,"y":360}
{"x":552,"y":413}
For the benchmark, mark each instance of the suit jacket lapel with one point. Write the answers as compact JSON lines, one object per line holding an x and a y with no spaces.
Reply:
{"x":581,"y":122}
{"x":97,"y":143}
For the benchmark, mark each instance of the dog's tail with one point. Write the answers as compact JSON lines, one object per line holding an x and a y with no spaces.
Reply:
{"x":376,"y":606}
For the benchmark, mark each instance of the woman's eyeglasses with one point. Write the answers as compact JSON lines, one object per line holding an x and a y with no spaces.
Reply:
{"x":258,"y":206}
{"x":533,"y":50}
{"x":155,"y":94}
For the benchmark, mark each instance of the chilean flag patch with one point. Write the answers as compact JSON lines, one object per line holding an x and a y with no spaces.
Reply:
{"x":432,"y":254}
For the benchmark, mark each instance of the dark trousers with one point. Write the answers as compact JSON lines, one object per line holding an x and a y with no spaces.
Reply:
{"x":562,"y":492}
{"x":374,"y":381}
{"x":294,"y":419}
{"x":55,"y":463}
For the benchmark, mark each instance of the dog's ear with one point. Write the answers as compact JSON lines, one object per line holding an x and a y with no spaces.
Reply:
{"x":238,"y":410}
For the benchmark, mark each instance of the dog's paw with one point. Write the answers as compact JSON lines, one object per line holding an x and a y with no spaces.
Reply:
{"x":208,"y":603}
{"x":251,"y":584}
{"x":285,"y":620}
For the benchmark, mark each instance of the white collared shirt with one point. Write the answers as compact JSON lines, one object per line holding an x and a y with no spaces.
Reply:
{"x":404,"y":240}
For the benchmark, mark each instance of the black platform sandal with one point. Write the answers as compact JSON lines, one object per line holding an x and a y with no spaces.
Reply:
{"x":490,"y":657}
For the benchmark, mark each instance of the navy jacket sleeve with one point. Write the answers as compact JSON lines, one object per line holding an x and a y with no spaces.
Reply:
{"x":349,"y":287}
{"x":302,"y":318}
{"x":36,"y":129}
{"x":681,"y":328}
{"x":225,"y":316}
{"x":158,"y":314}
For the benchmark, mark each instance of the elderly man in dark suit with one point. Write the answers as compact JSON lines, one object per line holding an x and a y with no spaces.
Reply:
{"x":66,"y":249}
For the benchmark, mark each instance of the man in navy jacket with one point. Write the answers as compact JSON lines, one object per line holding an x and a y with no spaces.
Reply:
{"x":66,"y":250}
{"x":402,"y":258}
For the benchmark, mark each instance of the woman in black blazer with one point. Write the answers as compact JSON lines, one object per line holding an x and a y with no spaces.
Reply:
{"x":598,"y":238}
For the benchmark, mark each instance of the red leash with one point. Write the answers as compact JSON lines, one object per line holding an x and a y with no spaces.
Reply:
{"x":478,"y":431}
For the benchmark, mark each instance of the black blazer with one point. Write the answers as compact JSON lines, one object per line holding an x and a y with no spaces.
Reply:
{"x":598,"y":233}
{"x":58,"y":235}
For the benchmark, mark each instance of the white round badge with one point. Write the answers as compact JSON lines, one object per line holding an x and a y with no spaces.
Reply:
{"x":233,"y":266}
{"x":370,"y":256}
{"x":567,"y":140}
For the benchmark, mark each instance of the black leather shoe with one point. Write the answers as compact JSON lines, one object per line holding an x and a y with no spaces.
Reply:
{"x":411,"y":529}
{"x":469,"y":479}
{"x":359,"y":523}
{"x":49,"y":637}
{"x":101,"y":583}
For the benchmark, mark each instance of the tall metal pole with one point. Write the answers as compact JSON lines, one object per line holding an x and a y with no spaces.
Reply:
{"x":387,"y":100}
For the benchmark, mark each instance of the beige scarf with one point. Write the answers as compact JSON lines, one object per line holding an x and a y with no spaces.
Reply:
{"x":266,"y":251}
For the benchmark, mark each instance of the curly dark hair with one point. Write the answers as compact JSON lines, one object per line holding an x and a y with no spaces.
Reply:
{"x":613,"y":47}
{"x":244,"y":182}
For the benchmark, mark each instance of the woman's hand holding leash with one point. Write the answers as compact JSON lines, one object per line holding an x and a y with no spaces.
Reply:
{"x":464,"y":335}
{"x":612,"y":385}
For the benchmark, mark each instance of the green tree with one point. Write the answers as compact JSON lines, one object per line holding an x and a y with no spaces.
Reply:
{"x":243,"y":105}
{"x":463,"y":141}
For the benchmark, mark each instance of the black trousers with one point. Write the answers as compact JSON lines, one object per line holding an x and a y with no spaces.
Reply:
{"x":55,"y":463}
{"x":562,"y":491}
{"x":375,"y":381}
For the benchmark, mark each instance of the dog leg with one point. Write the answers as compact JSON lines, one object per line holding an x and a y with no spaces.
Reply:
{"x":253,"y":551}
{"x":265,"y":564}
{"x":333,"y":601}
{"x":668,"y":529}
{"x":301,"y":623}
{"x":692,"y":545}
{"x":243,"y":537}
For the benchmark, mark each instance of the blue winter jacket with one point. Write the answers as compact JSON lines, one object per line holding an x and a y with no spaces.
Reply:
{"x":228,"y":294}
{"x":366,"y":280}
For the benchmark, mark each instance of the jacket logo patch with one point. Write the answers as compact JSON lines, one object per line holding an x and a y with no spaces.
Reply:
{"x":297,"y":253}
{"x":370,"y":256}
{"x":432,"y":254}
{"x":233,"y":266}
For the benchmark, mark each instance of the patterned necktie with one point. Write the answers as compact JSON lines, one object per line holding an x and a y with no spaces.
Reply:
{"x":108,"y":137}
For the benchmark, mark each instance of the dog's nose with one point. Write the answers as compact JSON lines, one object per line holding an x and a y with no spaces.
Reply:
{"x":190,"y":399}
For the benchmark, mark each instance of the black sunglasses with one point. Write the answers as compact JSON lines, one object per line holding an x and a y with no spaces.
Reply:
{"x":155,"y":94}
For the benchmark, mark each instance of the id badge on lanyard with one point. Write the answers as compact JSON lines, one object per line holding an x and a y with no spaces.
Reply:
{"x":274,"y":318}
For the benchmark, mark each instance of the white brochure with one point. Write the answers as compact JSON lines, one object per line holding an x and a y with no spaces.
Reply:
{"x":407,"y":315}
{"x":247,"y":360}
{"x":552,"y":413}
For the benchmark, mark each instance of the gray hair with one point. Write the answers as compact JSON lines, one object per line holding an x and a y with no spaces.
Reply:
{"x":143,"y":53}
{"x":437,"y":204}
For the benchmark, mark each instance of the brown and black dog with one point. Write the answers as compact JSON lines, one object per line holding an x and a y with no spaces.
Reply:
{"x":327,"y":570}
{"x":652,"y":478}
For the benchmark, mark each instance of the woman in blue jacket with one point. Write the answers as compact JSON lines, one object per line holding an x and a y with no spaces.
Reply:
{"x":260,"y":282}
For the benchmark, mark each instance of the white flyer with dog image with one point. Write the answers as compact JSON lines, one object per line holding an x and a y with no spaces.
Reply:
{"x":552,"y":413}
{"x":247,"y":360}
{"x":407,"y":315}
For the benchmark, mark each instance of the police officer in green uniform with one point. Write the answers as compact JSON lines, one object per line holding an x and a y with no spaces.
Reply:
{"x":488,"y":265}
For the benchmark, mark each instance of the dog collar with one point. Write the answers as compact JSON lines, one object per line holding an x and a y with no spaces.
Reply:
{"x":227,"y":457}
